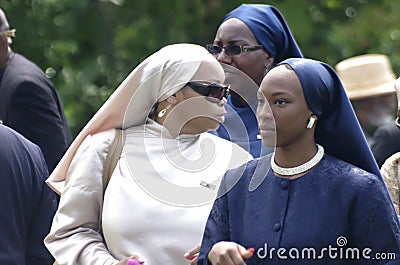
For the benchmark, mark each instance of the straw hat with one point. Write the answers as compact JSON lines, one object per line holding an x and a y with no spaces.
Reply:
{"x":366,"y":76}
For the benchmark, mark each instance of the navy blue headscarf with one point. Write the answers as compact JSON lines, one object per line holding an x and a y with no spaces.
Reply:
{"x":270,"y":29}
{"x":337,"y":129}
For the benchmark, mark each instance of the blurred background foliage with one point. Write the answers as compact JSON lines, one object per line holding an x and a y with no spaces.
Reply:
{"x":88,"y":47}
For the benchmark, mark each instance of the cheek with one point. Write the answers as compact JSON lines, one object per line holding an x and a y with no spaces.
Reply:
{"x":252,"y":66}
{"x":199,"y":107}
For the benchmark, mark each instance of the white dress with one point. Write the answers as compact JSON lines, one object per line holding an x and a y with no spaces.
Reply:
{"x":157,"y":201}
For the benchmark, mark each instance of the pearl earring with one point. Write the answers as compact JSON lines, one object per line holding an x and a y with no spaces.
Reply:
{"x":163,"y":111}
{"x":310,"y":123}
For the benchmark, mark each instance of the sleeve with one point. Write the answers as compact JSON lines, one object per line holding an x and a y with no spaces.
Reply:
{"x":42,"y":216}
{"x":216,"y":230}
{"x":34,"y":112}
{"x":377,"y":224}
{"x":383,"y":144}
{"x":75,"y":237}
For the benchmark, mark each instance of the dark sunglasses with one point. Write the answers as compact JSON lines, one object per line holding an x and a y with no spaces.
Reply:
{"x":231,"y":49}
{"x":211,"y":91}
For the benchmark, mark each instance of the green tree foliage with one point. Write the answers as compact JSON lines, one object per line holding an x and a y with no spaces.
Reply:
{"x":88,"y":47}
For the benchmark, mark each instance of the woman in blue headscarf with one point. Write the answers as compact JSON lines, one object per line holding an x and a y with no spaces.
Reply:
{"x":252,"y":38}
{"x":319,"y":198}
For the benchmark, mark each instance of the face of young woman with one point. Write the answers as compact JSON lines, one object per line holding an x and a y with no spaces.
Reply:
{"x":282,"y":111}
{"x":235,"y":32}
{"x":196,"y":112}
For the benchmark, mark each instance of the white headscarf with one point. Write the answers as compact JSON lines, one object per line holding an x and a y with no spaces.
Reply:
{"x":155,"y":79}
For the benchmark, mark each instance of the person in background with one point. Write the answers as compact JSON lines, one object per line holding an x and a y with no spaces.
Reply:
{"x":27,"y":204}
{"x":386,"y":141}
{"x":389,"y":147}
{"x":369,"y":83}
{"x":319,"y":198}
{"x":161,"y":191}
{"x":29,"y":102}
{"x":252,"y":38}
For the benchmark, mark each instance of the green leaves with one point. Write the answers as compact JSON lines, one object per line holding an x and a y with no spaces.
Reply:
{"x":90,"y":46}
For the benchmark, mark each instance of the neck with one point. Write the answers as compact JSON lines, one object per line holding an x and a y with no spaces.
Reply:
{"x":298,"y":170}
{"x":291,"y":157}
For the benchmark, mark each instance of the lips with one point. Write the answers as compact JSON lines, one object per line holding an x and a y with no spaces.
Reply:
{"x":266,"y":128}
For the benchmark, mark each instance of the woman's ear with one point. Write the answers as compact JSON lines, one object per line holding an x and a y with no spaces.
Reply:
{"x":269,"y":63}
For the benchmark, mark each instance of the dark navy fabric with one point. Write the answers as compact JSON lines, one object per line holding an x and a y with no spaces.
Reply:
{"x":270,"y":29}
{"x":334,"y":206}
{"x":27,"y":205}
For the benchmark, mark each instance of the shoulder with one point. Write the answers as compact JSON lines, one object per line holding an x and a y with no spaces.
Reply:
{"x":346,"y":174}
{"x":20,"y":70}
{"x":247,"y":175}
{"x":387,"y":133}
{"x":14,"y":140}
{"x":100,"y":142}
{"x":20,"y":153}
{"x":238,"y":154}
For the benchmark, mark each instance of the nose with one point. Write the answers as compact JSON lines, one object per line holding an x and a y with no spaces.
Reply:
{"x":264,"y":112}
{"x":222,"y":57}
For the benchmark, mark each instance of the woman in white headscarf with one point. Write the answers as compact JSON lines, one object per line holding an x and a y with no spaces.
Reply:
{"x":159,"y":196}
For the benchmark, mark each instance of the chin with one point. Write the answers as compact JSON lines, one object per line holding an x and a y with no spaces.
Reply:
{"x":271,"y":143}
{"x":216,"y":126}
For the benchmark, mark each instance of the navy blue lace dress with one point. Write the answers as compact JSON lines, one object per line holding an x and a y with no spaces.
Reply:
{"x":335,"y":214}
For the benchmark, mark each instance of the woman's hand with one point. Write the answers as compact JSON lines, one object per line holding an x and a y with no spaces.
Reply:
{"x":192,"y":255}
{"x":229,"y":253}
{"x":134,"y":257}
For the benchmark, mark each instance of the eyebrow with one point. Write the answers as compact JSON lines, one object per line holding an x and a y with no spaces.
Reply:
{"x":280,"y":93}
{"x":231,"y":42}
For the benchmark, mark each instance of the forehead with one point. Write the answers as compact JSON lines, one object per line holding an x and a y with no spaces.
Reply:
{"x":280,"y":79}
{"x":234,"y":29}
{"x":210,"y":71}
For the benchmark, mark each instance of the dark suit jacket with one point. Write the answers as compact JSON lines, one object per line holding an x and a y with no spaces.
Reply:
{"x":30,"y":105}
{"x":386,"y":142}
{"x":27,"y":204}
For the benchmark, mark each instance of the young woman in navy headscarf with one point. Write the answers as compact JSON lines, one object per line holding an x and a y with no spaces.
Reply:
{"x":319,"y":198}
{"x":251,"y":40}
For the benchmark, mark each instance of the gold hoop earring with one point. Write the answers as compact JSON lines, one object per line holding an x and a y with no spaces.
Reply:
{"x":163,"y":111}
{"x":310,"y":123}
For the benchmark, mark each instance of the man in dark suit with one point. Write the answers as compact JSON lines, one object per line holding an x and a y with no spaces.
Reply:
{"x":387,"y":136}
{"x":29,"y":102}
{"x":27,"y":204}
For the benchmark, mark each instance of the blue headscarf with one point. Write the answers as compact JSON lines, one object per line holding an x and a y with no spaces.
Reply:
{"x":338,"y":129}
{"x":270,"y":29}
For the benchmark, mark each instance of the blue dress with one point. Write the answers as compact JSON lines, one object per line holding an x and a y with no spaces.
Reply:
{"x":328,"y":216}
{"x":241,"y":127}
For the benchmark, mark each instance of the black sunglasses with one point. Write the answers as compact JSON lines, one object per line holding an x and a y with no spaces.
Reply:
{"x":211,"y":91}
{"x":231,"y":49}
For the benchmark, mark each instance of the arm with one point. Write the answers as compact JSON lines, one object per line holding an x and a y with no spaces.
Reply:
{"x":75,"y":236}
{"x":34,"y":112}
{"x":376,"y":224}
